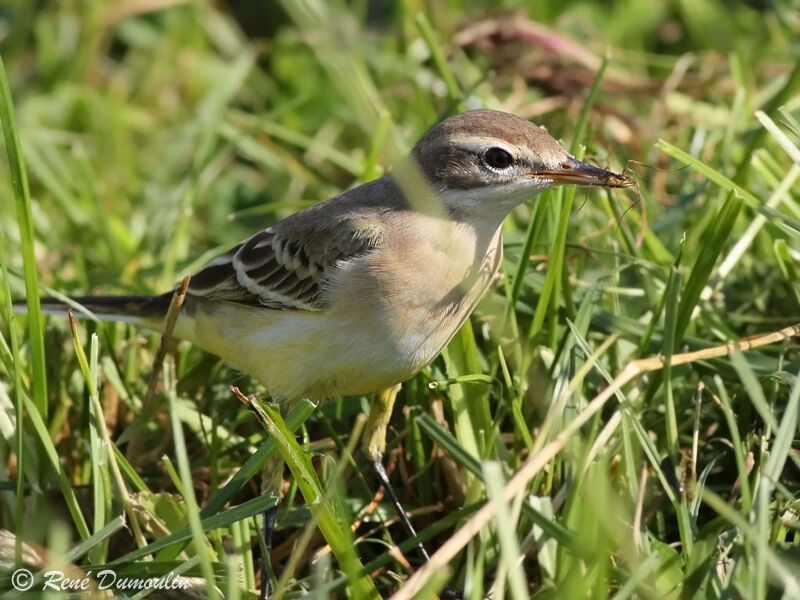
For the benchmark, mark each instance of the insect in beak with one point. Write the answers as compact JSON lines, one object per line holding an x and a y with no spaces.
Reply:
{"x":580,"y":173}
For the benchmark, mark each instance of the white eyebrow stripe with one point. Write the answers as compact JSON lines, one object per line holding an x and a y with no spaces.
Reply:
{"x":477,"y":143}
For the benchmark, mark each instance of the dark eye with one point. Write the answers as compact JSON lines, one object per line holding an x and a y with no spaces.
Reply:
{"x":497,"y":158}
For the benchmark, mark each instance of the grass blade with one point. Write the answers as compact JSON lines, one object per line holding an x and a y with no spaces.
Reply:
{"x":192,"y":509}
{"x":332,"y":525}
{"x":19,"y":182}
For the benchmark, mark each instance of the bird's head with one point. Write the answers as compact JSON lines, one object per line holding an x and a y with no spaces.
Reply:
{"x":488,"y":156}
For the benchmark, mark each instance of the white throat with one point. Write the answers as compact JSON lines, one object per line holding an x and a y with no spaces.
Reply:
{"x":488,"y":206}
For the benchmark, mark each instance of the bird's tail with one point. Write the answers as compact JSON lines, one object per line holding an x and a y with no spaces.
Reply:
{"x":148,"y":311}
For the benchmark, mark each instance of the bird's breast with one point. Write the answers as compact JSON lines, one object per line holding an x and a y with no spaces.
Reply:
{"x":422,"y":286}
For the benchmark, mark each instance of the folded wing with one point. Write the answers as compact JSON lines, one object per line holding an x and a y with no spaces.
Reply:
{"x":285,"y":267}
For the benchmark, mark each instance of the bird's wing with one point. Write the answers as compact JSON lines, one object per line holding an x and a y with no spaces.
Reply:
{"x":285,"y":266}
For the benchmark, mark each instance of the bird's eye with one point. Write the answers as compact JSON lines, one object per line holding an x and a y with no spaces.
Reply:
{"x":497,"y":158}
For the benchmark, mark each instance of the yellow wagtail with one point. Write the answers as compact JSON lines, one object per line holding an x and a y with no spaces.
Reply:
{"x":360,"y":292}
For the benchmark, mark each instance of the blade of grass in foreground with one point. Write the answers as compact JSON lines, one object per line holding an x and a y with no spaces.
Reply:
{"x":779,"y":568}
{"x":334,"y":493}
{"x":781,"y":446}
{"x":89,"y":370}
{"x":435,"y":48}
{"x":451,"y":446}
{"x":249,"y":469}
{"x":785,"y":222}
{"x":719,"y":232}
{"x":19,"y":183}
{"x":720,"y":396}
{"x":192,"y":509}
{"x":257,"y":460}
{"x":506,"y":518}
{"x":19,"y":505}
{"x":245,"y":510}
{"x":554,"y":269}
{"x":333,"y":528}
{"x":60,"y":472}
{"x":469,"y":403}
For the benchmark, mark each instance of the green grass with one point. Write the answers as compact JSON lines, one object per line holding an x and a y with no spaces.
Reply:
{"x":534,"y":455}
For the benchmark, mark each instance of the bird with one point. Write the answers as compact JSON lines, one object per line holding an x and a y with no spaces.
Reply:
{"x":358,"y":293}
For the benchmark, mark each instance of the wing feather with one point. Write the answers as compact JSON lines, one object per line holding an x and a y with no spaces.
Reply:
{"x":285,"y":269}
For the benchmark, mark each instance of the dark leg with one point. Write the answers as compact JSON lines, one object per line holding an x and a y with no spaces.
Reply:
{"x":269,"y":528}
{"x":447,"y":593}
{"x":377,"y":464}
{"x":374,"y":441}
{"x":271,"y":485}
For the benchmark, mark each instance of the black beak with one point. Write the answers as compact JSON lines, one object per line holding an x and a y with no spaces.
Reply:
{"x":580,"y":173}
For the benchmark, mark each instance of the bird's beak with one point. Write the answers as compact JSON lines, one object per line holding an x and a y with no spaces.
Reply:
{"x":579,"y":173}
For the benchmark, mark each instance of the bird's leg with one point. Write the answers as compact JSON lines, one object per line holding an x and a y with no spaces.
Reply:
{"x":271,"y":485}
{"x":374,"y":443}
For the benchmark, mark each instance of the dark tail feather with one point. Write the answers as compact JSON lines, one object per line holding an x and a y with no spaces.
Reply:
{"x":147,"y":310}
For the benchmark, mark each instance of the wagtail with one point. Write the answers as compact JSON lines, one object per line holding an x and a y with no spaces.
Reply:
{"x":360,"y":292}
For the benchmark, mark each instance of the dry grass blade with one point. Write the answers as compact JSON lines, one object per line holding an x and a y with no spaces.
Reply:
{"x":169,"y":326}
{"x":171,"y":319}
